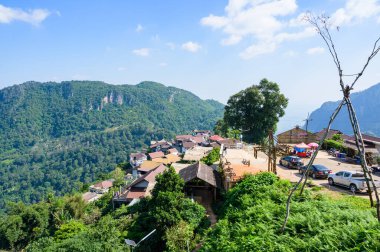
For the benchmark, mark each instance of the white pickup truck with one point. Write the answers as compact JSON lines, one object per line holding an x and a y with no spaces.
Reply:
{"x":355,"y":181}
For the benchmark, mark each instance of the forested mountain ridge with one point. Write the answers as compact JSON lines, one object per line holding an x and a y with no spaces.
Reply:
{"x":54,"y":137}
{"x":366,"y":104}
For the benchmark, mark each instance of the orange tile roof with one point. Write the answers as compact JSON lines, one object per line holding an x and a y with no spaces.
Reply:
{"x":168,"y":159}
{"x":156,"y":154}
{"x":240,"y":170}
{"x":148,"y":165}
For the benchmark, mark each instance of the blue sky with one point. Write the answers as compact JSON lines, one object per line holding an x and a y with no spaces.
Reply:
{"x":212,"y":48}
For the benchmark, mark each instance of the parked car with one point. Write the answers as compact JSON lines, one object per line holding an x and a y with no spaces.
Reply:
{"x":316,"y":171}
{"x":355,"y":181}
{"x":291,"y":162}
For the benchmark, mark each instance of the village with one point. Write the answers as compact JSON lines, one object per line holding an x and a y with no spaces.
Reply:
{"x":204,"y":183}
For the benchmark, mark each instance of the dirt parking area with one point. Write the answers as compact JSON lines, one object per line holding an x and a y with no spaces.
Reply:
{"x":333,"y":163}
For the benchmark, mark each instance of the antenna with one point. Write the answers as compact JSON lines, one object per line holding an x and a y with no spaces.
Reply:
{"x":308,"y":119}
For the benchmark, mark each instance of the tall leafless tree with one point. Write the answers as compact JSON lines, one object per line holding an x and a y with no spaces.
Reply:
{"x":322,"y":25}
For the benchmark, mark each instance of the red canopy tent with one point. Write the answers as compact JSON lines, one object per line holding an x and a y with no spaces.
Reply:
{"x":301,"y":149}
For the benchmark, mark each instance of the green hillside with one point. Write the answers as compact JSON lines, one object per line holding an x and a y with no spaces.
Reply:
{"x":55,"y":137}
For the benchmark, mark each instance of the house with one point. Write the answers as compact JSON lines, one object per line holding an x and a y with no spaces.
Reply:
{"x":161,"y":145}
{"x":201,"y":182}
{"x":319,"y":135}
{"x":295,"y":136}
{"x":187,"y":145}
{"x":140,"y":188}
{"x":147,"y":166}
{"x":102,"y":187}
{"x":90,"y":197}
{"x":215,"y":138}
{"x":371,"y":146}
{"x":182,"y":138}
{"x":204,"y":133}
{"x":136,"y":159}
{"x":230,"y":143}
{"x":157,"y":154}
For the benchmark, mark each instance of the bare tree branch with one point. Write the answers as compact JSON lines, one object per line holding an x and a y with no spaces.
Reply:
{"x":332,"y":118}
{"x":375,"y":50}
{"x":360,"y":145}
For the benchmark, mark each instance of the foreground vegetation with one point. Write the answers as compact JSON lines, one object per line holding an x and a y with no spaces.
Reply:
{"x":253,"y":212}
{"x":250,"y":218}
{"x":68,"y":224}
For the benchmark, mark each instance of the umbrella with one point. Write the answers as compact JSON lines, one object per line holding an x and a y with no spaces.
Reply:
{"x":313,"y":145}
{"x":302,"y":146}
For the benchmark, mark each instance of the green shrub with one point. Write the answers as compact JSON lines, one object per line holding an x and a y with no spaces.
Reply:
{"x":212,"y":157}
{"x":254,"y":210}
{"x":329,"y":143}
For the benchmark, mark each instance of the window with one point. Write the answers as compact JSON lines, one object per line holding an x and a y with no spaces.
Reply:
{"x":346,"y":174}
{"x":339,"y":174}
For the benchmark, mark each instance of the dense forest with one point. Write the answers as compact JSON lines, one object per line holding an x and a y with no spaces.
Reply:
{"x":57,"y":137}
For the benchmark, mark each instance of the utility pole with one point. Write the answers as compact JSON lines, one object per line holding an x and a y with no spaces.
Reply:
{"x":308,"y":119}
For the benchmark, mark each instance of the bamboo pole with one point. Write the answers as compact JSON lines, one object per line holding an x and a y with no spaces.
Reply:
{"x":332,"y":118}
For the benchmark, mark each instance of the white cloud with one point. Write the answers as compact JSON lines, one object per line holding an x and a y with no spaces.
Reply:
{"x":191,"y":46}
{"x":163,"y":64}
{"x":355,"y":11}
{"x":263,"y":20}
{"x":143,"y":52}
{"x":315,"y":50}
{"x":268,"y":23}
{"x":34,"y":17}
{"x":139,"y":28}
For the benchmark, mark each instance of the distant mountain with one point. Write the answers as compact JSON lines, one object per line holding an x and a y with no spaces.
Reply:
{"x":367,"y":107}
{"x":55,"y":137}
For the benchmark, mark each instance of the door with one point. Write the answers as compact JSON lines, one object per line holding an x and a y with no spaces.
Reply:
{"x":338,"y":177}
{"x":346,"y":180}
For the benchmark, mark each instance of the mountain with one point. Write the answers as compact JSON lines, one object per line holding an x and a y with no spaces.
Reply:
{"x":366,"y":104}
{"x":56,"y":137}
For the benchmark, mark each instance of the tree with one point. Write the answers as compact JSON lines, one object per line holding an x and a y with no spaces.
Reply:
{"x":168,"y":181}
{"x":256,"y":110}
{"x":69,"y":230}
{"x":179,"y":237}
{"x":212,"y":157}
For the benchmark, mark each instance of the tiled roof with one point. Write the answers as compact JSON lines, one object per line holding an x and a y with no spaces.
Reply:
{"x":173,"y":150}
{"x":104,"y":184}
{"x":188,"y":144}
{"x":240,"y":170}
{"x":151,"y":176}
{"x":89,"y":196}
{"x":148,"y":165}
{"x":137,"y":155}
{"x":183,"y":137}
{"x":201,"y":171}
{"x":329,"y":134}
{"x":136,"y":193}
{"x":156,"y":154}
{"x":216,"y":138}
{"x":168,"y":159}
